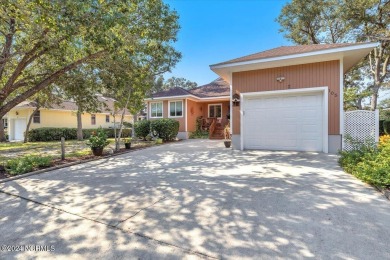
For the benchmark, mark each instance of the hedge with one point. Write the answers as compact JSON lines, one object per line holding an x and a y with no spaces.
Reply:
{"x":142,"y":128}
{"x":165,"y":128}
{"x":45,"y":134}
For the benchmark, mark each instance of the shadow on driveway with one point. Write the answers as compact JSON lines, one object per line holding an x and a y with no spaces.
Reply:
{"x":200,"y":197}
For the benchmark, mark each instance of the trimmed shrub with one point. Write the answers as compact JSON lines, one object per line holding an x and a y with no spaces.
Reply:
{"x":165,"y":128}
{"x":142,"y":128}
{"x":27,"y":164}
{"x":46,"y":134}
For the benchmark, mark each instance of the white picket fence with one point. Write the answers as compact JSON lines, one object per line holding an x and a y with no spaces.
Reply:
{"x":360,"y":127}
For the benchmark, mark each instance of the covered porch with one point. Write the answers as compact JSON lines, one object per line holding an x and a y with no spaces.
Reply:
{"x":211,"y":116}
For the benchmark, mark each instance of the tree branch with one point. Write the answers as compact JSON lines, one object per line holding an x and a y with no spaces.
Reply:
{"x":7,"y":47}
{"x":46,"y":82}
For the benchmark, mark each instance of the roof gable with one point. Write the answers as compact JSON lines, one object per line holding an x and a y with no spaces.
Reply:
{"x":216,"y":88}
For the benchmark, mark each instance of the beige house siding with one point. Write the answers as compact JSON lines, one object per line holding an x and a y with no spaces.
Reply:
{"x":298,"y":76}
{"x":61,"y":118}
{"x":58,"y":118}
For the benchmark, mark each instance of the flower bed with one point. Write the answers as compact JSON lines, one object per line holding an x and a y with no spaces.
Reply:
{"x":370,"y":164}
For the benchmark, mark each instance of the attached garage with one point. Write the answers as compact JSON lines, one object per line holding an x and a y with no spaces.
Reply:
{"x":290,"y":97}
{"x":285,"y":120}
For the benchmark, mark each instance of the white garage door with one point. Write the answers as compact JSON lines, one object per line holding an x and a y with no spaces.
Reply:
{"x":284,"y":122}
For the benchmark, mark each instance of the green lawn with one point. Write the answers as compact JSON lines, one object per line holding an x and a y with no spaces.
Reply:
{"x":73,"y":148}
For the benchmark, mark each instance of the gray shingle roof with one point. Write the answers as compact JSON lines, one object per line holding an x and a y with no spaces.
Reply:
{"x":177,"y":91}
{"x":216,"y":88}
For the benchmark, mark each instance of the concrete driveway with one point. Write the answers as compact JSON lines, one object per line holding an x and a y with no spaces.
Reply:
{"x":197,"y":199}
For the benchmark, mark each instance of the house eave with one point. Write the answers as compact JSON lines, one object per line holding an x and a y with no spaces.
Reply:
{"x":349,"y":54}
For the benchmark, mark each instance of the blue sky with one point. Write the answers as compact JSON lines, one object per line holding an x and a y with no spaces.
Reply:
{"x":213,"y":31}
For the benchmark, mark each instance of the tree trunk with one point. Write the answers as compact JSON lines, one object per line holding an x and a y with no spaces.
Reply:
{"x":121,"y":123}
{"x":115,"y":134}
{"x":29,"y":123}
{"x":2,"y":132}
{"x":79,"y":126}
{"x":374,"y":97}
{"x":135,"y":119}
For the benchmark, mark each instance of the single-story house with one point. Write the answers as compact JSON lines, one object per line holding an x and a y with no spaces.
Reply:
{"x":60,"y":115}
{"x":287,"y":98}
{"x":186,"y":106}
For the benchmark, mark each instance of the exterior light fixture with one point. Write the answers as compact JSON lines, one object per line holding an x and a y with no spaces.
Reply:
{"x":280,"y":79}
{"x":236,"y":100}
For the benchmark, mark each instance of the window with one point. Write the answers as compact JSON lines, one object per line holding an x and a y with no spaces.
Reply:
{"x":37,"y":117}
{"x":156,"y":109}
{"x":107,"y":118}
{"x":215,"y":110}
{"x":5,"y":122}
{"x":93,"y":119}
{"x":176,"y":108}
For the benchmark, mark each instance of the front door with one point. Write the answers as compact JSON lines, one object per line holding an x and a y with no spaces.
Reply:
{"x":19,"y":129}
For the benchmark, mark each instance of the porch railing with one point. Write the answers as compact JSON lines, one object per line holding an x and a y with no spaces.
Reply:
{"x":212,"y":128}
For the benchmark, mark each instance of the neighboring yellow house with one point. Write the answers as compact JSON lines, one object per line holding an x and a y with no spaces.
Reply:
{"x":62,"y":115}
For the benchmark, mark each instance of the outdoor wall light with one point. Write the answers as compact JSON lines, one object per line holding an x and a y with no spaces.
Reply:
{"x":280,"y":79}
{"x":236,"y":100}
{"x":17,"y":113}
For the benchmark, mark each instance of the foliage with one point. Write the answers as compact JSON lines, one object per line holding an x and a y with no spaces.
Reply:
{"x":369,"y":164}
{"x":42,"y":42}
{"x":384,"y":139}
{"x":198,"y":123}
{"x":199,"y":134}
{"x":385,"y":104}
{"x":142,"y":128}
{"x":165,"y":128}
{"x":226,"y":132}
{"x":339,"y":21}
{"x":384,"y":114}
{"x":127,"y":140}
{"x":381,"y":130}
{"x":357,"y":144}
{"x":179,"y":82}
{"x":386,"y":127}
{"x":27,"y":164}
{"x":98,"y":139}
{"x":46,"y":134}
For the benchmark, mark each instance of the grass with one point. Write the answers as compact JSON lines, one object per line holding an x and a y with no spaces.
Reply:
{"x":25,"y":146}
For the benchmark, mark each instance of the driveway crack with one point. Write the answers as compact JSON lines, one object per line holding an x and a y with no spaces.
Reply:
{"x":142,"y":209}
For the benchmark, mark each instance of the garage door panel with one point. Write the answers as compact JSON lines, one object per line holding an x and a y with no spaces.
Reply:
{"x":289,"y":122}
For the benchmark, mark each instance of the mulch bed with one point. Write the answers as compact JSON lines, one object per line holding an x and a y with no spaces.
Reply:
{"x":59,"y":162}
